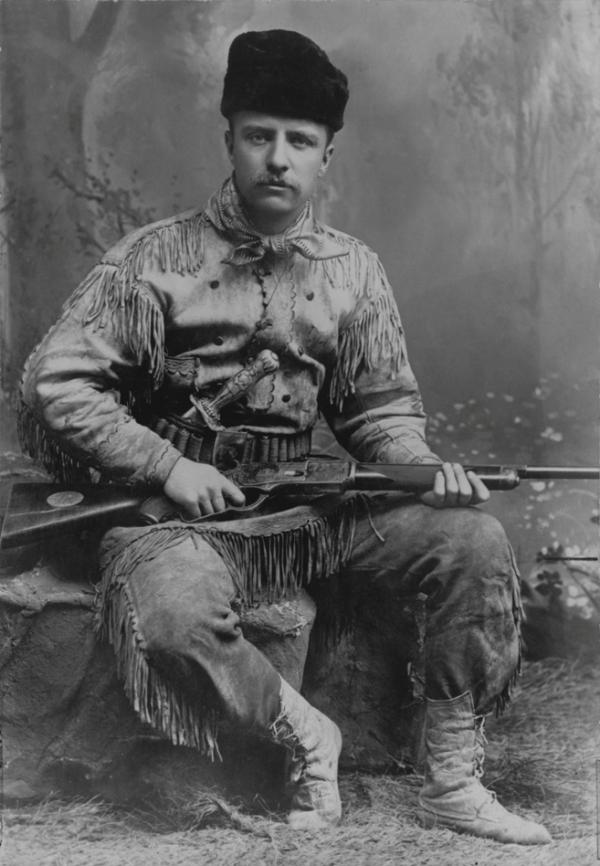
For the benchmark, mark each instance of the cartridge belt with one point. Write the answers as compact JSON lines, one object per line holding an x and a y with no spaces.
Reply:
{"x":225,"y":448}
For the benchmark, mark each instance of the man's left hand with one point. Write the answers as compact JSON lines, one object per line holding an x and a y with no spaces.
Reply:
{"x":454,"y":487}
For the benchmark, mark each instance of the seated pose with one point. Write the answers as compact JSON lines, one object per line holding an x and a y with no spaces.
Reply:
{"x":123,"y":389}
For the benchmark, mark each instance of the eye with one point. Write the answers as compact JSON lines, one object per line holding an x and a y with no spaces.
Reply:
{"x":301,"y":141}
{"x":256,"y":137}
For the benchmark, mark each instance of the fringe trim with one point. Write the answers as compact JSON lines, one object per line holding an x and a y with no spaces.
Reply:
{"x":505,"y":696}
{"x":137,"y":323}
{"x":157,"y":702}
{"x":177,"y":246}
{"x":377,"y":332}
{"x":113,"y":294}
{"x":39,"y":444}
{"x":134,"y":315}
{"x":283,"y":732}
{"x":264,"y":567}
{"x":373,"y":336}
{"x":288,"y":559}
{"x":352,"y":272}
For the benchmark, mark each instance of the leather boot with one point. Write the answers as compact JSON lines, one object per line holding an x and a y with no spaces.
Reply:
{"x":314,"y":743}
{"x":452,"y":795}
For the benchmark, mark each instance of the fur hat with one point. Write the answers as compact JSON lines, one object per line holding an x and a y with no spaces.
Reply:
{"x":284,"y":73}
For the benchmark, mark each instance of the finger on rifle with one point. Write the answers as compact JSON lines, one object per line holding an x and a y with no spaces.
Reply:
{"x":450,"y":486}
{"x":191,"y":509}
{"x":205,"y":505}
{"x":450,"y":482}
{"x":217,"y":501}
{"x":233,"y":493}
{"x":480,"y":491}
{"x":438,"y":494}
{"x":465,"y":488}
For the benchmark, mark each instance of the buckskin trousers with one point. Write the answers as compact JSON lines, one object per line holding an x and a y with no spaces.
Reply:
{"x":171,"y":596}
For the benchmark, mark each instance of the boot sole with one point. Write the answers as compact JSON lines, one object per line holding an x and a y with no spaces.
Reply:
{"x":430,"y":821}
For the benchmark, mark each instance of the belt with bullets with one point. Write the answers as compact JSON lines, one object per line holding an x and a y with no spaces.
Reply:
{"x":224,"y":448}
{"x":199,"y":435}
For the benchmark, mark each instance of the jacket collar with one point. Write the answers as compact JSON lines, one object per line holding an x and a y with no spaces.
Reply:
{"x":305,"y":236}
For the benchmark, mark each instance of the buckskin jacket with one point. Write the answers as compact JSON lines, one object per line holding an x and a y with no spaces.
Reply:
{"x":186,"y":303}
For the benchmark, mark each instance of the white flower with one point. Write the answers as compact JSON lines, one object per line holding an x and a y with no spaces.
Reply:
{"x":551,"y":434}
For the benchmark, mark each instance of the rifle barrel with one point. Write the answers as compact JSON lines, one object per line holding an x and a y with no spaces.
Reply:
{"x":418,"y":477}
{"x":547,"y":473}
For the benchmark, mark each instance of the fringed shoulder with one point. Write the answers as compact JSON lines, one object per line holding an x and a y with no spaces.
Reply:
{"x":114,"y":293}
{"x":114,"y":297}
{"x":347,"y":272}
{"x":172,"y":244}
{"x":373,"y":332}
{"x":106,"y":298}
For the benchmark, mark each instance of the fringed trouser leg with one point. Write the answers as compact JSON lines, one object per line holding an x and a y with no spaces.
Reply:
{"x":180,"y":649}
{"x":165,"y":604}
{"x":460,"y":559}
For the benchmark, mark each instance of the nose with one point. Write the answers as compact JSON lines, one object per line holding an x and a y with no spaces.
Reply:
{"x":277,"y":157}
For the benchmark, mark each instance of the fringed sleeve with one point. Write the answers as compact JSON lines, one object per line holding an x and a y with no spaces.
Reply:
{"x":105,"y":352}
{"x":373,"y":403}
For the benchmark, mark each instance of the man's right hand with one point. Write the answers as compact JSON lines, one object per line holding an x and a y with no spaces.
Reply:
{"x":200,"y":489}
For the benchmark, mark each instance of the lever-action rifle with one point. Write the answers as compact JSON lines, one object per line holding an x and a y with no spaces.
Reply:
{"x":38,"y":511}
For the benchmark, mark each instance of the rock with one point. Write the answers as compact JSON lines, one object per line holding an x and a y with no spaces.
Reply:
{"x":282,"y":632}
{"x":366,"y":671}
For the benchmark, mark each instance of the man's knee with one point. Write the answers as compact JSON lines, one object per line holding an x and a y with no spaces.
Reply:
{"x":472,"y":534}
{"x":473,"y":561}
{"x":176,"y":630}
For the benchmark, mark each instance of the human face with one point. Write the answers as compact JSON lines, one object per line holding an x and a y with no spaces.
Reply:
{"x":277,"y":162}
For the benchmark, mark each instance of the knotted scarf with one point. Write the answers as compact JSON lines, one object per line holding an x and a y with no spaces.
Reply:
{"x":226,"y":213}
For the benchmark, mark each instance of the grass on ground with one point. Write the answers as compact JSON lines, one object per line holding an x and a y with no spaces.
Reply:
{"x":540,"y":760}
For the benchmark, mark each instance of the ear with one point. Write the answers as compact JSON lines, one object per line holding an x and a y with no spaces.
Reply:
{"x":327,"y":155}
{"x":229,"y":144}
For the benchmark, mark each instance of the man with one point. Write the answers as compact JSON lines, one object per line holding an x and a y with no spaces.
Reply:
{"x":177,"y":309}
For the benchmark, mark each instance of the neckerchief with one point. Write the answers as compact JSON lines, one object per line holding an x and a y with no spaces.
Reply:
{"x":303,"y":236}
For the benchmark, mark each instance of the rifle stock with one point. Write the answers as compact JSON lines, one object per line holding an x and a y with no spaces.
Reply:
{"x":40,"y":511}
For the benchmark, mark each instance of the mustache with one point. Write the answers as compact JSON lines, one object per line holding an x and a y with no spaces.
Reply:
{"x":268,"y":180}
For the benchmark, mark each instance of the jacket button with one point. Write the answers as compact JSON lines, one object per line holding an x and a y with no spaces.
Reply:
{"x":218,"y":341}
{"x":214,"y":284}
{"x":310,"y":296}
{"x":286,"y":398}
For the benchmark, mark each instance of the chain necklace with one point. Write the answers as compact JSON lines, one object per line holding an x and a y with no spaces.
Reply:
{"x":260,"y":271}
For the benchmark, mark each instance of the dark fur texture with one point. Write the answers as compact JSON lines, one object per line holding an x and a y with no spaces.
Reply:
{"x":284,"y":73}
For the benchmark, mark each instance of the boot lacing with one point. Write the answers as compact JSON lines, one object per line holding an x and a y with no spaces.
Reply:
{"x":296,"y":753}
{"x":480,"y":743}
{"x":479,"y":753}
{"x":453,"y":795}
